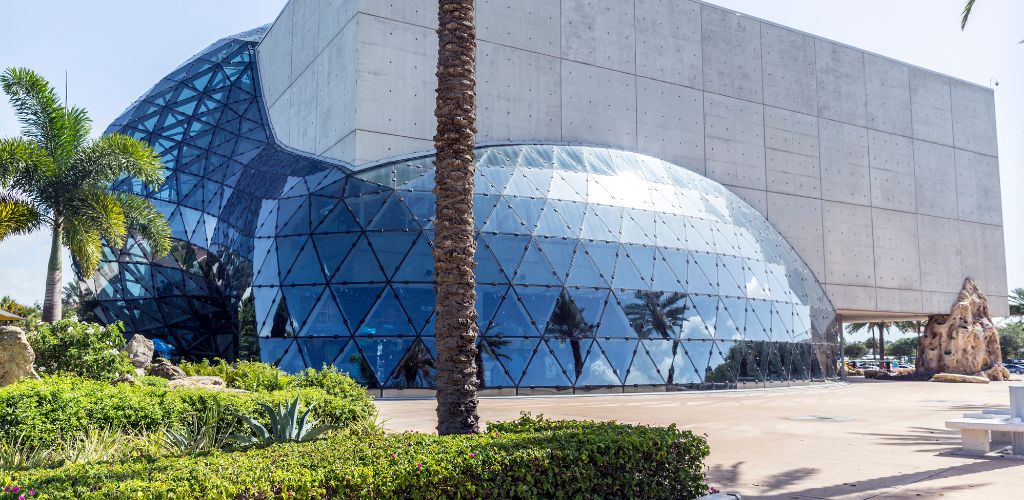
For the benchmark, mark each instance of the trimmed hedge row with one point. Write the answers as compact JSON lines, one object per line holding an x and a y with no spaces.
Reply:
{"x":43,"y":412}
{"x":528,"y":458}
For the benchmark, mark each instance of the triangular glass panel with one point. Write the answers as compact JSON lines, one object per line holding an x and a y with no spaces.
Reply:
{"x":415,"y":370}
{"x":517,"y":352}
{"x":491,"y":372}
{"x":504,"y":220}
{"x":535,"y":269}
{"x":702,"y":274}
{"x":614,"y":322}
{"x":301,"y":300}
{"x":488,"y":297}
{"x":325,"y":320}
{"x":643,"y":371}
{"x":307,"y":268}
{"x":360,"y":266}
{"x":418,"y":265}
{"x":511,"y":320}
{"x":584,"y":272}
{"x":355,"y":301}
{"x":508,"y":250}
{"x":394,"y":216}
{"x":733,"y":319}
{"x":487,"y":268}
{"x":387,"y":318}
{"x":391,"y":247}
{"x":538,"y":302}
{"x":418,"y":302}
{"x":320,"y":352}
{"x":352,"y":363}
{"x":292,"y":361}
{"x":332,"y":248}
{"x":597,"y":370}
{"x":383,"y":354}
{"x":544,"y":370}
{"x":620,"y":353}
{"x":571,"y":353}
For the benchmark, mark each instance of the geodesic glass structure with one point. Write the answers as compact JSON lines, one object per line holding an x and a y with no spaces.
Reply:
{"x":596,"y":268}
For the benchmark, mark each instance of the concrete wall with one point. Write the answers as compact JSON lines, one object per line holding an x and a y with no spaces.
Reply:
{"x":882,"y":175}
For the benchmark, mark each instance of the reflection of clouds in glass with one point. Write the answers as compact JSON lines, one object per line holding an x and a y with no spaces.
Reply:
{"x":599,"y":369}
{"x":694,"y":327}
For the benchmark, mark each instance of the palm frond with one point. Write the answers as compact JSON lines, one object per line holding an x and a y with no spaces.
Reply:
{"x":37,"y":107}
{"x":18,"y":216}
{"x":114,"y":156}
{"x":101,"y":210}
{"x":24,"y":165}
{"x":966,"y":14}
{"x":85,"y":244}
{"x":146,"y":221}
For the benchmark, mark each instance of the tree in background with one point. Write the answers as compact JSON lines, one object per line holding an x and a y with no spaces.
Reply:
{"x":855,"y":350}
{"x":455,"y":239}
{"x":248,"y":337}
{"x":906,"y":346}
{"x":873,"y":327}
{"x":1011,"y":340}
{"x":55,"y":176}
{"x":1017,"y":302}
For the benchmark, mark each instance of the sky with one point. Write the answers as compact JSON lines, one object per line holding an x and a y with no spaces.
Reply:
{"x":115,"y":50}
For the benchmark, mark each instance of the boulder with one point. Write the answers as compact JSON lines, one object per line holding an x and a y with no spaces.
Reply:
{"x":164,"y":369}
{"x":139,"y":350}
{"x":198,"y":382}
{"x":16,"y":356}
{"x":963,"y":342}
{"x":959,"y":378}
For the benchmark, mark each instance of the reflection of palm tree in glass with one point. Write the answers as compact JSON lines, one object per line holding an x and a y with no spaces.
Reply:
{"x":660,"y":313}
{"x":365,"y":370}
{"x":492,"y":347}
{"x":417,"y":367}
{"x":568,"y":324}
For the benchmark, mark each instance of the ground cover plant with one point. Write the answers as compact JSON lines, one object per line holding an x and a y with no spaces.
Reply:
{"x":527,"y":458}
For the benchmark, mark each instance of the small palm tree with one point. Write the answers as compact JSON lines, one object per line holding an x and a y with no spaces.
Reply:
{"x":55,"y":176}
{"x":454,"y":241}
{"x":879,"y":326}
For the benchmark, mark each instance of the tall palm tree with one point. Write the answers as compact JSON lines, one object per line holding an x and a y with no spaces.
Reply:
{"x":55,"y":176}
{"x":454,"y":241}
{"x":872,"y":326}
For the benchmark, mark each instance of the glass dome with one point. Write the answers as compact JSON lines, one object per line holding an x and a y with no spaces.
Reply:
{"x":597,"y":269}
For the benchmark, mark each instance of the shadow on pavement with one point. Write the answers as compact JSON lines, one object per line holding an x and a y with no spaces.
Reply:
{"x":908,"y":485}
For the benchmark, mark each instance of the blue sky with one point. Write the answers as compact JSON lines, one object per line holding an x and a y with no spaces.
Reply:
{"x":113,"y":51}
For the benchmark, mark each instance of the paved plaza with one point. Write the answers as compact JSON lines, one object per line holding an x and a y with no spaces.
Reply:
{"x":864,"y":439}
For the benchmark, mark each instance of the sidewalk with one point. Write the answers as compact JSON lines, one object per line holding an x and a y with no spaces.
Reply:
{"x":868,"y":439}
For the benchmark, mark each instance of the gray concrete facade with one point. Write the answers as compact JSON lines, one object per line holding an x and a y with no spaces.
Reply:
{"x":882,"y":175}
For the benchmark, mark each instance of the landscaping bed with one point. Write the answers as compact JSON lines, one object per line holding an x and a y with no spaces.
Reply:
{"x":527,"y":458}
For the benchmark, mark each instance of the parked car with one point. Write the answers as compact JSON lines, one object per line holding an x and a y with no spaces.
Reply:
{"x":869,"y":367}
{"x":1018,"y":369}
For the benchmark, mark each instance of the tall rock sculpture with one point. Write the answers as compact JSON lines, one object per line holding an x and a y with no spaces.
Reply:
{"x":16,"y":356}
{"x":964,"y":341}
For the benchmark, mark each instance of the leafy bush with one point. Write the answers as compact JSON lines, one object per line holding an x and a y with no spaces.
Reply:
{"x":528,"y":458}
{"x":54,"y":408}
{"x":151,"y":381}
{"x":246,"y":375}
{"x":83,"y":349}
{"x":207,"y":431}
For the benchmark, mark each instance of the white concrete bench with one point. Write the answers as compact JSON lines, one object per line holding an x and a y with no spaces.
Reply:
{"x":976,"y":434}
{"x":978,"y":431}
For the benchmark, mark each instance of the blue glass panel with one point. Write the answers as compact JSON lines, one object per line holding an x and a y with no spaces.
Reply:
{"x":320,"y":352}
{"x":352,"y":363}
{"x":355,"y":301}
{"x":702,"y":274}
{"x":418,"y":264}
{"x":387,"y":318}
{"x":391,"y":248}
{"x":415,"y":370}
{"x":383,"y":354}
{"x":545,"y":370}
{"x":538,"y":302}
{"x":643,"y":371}
{"x":360,"y":266}
{"x":490,"y":359}
{"x":619,"y":352}
{"x":535,"y":269}
{"x":418,"y":302}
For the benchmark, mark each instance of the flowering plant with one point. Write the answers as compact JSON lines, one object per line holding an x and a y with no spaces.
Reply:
{"x":13,"y":491}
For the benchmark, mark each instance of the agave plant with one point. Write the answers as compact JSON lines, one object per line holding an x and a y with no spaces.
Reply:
{"x":285,"y":425}
{"x":207,"y":431}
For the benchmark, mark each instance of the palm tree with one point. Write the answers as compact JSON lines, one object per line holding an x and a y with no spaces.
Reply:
{"x":879,"y":326}
{"x":1017,"y":302}
{"x":454,"y":242}
{"x":56,"y":176}
{"x":568,"y":324}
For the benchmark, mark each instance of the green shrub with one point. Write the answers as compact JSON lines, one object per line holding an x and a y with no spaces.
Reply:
{"x":151,"y":381}
{"x":83,"y":349}
{"x":529,"y":458}
{"x":246,"y":375}
{"x":49,"y":410}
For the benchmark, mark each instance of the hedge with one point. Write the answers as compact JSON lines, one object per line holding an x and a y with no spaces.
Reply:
{"x":528,"y":458}
{"x":45,"y":411}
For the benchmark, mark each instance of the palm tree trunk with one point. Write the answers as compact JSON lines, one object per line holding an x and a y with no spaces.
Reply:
{"x":881,"y":342}
{"x":577,"y":356}
{"x":454,"y":241}
{"x":54,"y":279}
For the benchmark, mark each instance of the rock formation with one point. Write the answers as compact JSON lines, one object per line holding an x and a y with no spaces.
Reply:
{"x":139,"y":350}
{"x":164,"y":369}
{"x":964,"y":341}
{"x":16,"y":356}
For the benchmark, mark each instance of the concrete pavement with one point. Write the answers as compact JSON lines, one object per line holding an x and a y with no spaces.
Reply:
{"x":866,"y":439}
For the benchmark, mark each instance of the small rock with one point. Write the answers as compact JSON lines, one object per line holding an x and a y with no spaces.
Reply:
{"x":16,"y":356}
{"x":139,"y":350}
{"x":124,"y":378}
{"x":164,"y":369}
{"x":958,"y":378}
{"x":140,"y":372}
{"x":198,"y":382}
